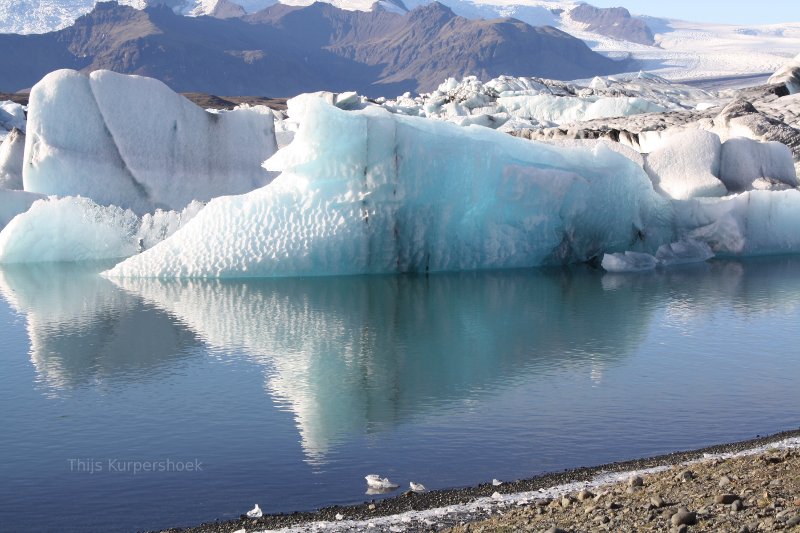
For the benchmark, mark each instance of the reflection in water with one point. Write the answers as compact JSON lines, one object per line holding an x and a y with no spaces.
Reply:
{"x":83,"y":329}
{"x":362,"y":353}
{"x":356,"y":354}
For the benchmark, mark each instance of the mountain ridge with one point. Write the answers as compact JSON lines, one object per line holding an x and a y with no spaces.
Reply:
{"x":285,"y":50}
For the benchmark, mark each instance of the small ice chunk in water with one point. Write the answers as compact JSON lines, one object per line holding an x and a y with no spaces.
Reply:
{"x":374,"y":481}
{"x":417,"y":487}
{"x":629,"y":262}
{"x":255,"y":512}
{"x":496,"y":482}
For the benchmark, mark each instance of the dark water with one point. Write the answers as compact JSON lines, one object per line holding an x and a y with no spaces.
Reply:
{"x":287,"y":392}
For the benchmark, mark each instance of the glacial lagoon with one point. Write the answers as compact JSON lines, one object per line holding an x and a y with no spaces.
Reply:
{"x":144,"y":404}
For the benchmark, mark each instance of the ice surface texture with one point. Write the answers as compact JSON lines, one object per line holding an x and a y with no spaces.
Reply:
{"x":12,"y":150}
{"x":134,"y":143}
{"x":687,"y":165}
{"x":68,"y":229}
{"x":368,"y":191}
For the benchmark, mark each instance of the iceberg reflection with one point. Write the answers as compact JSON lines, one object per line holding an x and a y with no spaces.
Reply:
{"x":356,"y":354}
{"x":83,"y":329}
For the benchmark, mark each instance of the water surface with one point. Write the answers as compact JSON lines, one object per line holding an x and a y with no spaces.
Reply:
{"x":287,"y":392}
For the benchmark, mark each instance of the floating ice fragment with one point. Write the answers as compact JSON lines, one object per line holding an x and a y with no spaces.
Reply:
{"x":629,"y":262}
{"x":417,"y":487}
{"x":496,"y":482}
{"x":374,"y":481}
{"x":255,"y":512}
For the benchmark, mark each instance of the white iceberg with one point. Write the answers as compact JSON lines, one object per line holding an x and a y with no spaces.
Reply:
{"x":368,"y":192}
{"x":374,"y":481}
{"x":687,"y":165}
{"x":12,"y":115}
{"x":255,"y":512}
{"x":629,"y":262}
{"x":12,"y":150}
{"x":132,"y":142}
{"x":744,"y":161}
{"x":68,"y":229}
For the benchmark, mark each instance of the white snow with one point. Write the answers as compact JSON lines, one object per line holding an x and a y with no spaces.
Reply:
{"x":687,"y":165}
{"x":130,"y":141}
{"x":397,"y":194}
{"x":744,"y":161}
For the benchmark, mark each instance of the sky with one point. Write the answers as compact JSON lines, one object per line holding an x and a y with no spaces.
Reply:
{"x":723,"y":11}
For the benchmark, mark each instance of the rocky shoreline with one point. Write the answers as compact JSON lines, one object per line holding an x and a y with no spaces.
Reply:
{"x":762,"y":493}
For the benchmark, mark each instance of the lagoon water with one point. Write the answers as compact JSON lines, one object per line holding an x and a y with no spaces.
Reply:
{"x":144,"y":404}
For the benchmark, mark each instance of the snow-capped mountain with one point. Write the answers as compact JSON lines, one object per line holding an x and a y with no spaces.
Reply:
{"x":673,"y":49}
{"x":286,"y":50}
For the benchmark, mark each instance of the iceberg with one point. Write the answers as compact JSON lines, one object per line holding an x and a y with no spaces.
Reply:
{"x":132,"y":142}
{"x":68,"y":229}
{"x":744,"y":161}
{"x":372,"y":192}
{"x":747,"y":224}
{"x":687,"y":165}
{"x":12,"y":150}
{"x":12,"y":115}
{"x":668,"y":255}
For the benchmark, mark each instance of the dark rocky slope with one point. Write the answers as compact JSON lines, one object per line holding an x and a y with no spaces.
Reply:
{"x":284,"y":50}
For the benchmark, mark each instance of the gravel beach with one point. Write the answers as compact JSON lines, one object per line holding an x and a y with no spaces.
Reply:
{"x":699,"y":490}
{"x":743,"y":494}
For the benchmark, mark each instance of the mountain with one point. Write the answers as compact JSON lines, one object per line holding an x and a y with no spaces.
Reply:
{"x":285,"y":50}
{"x":615,"y":22}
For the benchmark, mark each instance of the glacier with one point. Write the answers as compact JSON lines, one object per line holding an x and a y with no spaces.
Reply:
{"x":132,"y":142}
{"x":373,"y":192}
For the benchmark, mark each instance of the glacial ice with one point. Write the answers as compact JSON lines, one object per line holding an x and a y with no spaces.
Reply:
{"x":12,"y":115}
{"x":514,"y":103}
{"x":683,"y":252}
{"x":668,"y":255}
{"x":368,"y":191}
{"x":72,"y":229}
{"x":750,"y":223}
{"x":12,"y":150}
{"x":12,"y":203}
{"x":130,"y":141}
{"x":744,"y":161}
{"x":687,"y":165}
{"x":68,"y":229}
{"x":788,"y":75}
{"x":628,"y":262}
